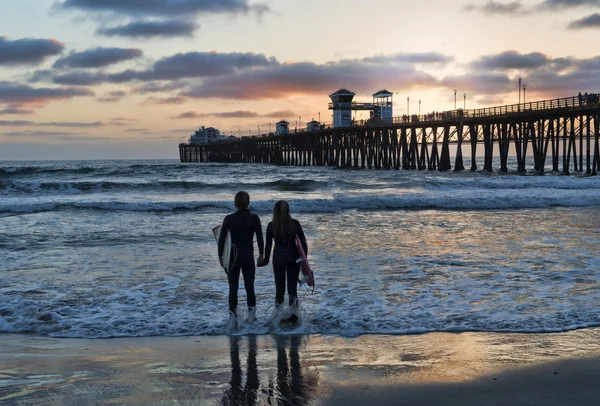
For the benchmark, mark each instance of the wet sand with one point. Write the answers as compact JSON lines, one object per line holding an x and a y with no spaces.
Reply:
{"x":429,"y":369}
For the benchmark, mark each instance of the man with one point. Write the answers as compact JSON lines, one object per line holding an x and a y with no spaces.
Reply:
{"x":242,"y":225}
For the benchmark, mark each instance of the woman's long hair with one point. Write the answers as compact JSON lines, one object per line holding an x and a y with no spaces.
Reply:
{"x":283,"y":224}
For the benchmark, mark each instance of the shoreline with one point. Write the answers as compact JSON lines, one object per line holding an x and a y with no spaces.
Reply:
{"x":432,"y":368}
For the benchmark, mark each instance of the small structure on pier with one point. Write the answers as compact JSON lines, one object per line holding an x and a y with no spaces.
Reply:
{"x":341,"y":104}
{"x":381,"y":109}
{"x":383,"y":106}
{"x":282,"y":128}
{"x":206,"y":135}
{"x":313,"y":125}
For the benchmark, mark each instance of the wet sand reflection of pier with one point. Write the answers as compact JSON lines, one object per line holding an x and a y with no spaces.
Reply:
{"x":565,"y":130}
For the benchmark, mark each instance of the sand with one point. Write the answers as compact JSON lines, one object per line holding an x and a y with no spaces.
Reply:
{"x":428,"y":369}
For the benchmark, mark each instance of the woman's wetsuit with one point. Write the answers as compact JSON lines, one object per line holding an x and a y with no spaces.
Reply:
{"x":285,"y":255}
{"x":243,"y":225}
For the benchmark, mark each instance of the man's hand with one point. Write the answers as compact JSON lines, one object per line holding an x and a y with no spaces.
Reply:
{"x":260,"y":261}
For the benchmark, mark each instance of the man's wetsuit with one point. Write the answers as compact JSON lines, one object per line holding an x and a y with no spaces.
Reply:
{"x":285,"y":255}
{"x":243,"y":225}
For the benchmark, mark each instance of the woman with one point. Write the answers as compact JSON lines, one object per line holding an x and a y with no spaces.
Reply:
{"x":243,"y":225}
{"x":283,"y":229}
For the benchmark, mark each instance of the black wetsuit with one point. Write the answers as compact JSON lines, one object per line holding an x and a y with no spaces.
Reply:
{"x":243,"y":225}
{"x":285,"y":255}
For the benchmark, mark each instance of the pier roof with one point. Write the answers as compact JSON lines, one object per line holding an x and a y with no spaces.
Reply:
{"x":343,"y":92}
{"x":383,"y":93}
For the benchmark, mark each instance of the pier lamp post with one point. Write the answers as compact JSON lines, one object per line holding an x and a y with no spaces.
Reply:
{"x":258,"y":133}
{"x":454,"y":99}
{"x":240,"y":132}
{"x":465,"y":101}
{"x":419,"y":107}
{"x":524,"y":87}
{"x":520,"y":91}
{"x":408,"y":106}
{"x":269,"y":128}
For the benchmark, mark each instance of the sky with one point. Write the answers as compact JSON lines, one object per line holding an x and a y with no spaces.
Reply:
{"x":130,"y":79}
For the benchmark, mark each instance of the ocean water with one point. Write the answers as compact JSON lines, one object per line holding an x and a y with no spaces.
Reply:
{"x":124,"y":248}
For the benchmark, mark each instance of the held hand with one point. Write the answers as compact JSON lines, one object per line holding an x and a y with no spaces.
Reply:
{"x":260,"y":261}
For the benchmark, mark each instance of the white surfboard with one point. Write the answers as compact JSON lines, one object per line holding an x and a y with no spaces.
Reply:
{"x":226,"y":250}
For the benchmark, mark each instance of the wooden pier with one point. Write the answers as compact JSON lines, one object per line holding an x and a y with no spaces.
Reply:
{"x":565,"y":130}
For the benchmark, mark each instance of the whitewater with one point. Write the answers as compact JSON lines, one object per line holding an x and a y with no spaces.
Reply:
{"x":124,"y":248}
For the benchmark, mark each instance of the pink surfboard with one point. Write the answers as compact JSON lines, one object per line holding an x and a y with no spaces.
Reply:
{"x":308,"y":276}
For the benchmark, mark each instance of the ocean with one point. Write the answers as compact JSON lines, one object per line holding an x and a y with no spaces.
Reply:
{"x":124,"y":248}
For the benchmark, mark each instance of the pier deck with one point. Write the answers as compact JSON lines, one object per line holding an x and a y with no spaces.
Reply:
{"x":566,"y":130}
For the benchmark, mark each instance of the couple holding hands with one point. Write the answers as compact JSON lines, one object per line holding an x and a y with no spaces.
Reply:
{"x":283,"y":229}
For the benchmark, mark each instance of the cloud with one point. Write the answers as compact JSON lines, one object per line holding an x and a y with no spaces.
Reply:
{"x":112,"y":97}
{"x":160,"y":8}
{"x":137,"y":130}
{"x":226,"y":114}
{"x":188,"y":114}
{"x":28,"y":51}
{"x":167,"y":100}
{"x":16,"y":123}
{"x":480,"y":83}
{"x":410,"y":58}
{"x":205,"y":64}
{"x":495,"y":8}
{"x":24,"y":94}
{"x":40,"y":75}
{"x":562,"y":4}
{"x":159,"y":87}
{"x":57,"y":135}
{"x":309,"y":78}
{"x":490,"y":101}
{"x":151,"y":29}
{"x":235,"y":114}
{"x":72,"y":124}
{"x":591,"y":21}
{"x":39,"y":133}
{"x":97,"y":57}
{"x":508,"y":60}
{"x":280,"y":114}
{"x":179,"y":66}
{"x":517,"y":8}
{"x":123,"y":119}
{"x":23,"y":123}
{"x":16,"y":111}
{"x":80,"y":78}
{"x":181,"y":130}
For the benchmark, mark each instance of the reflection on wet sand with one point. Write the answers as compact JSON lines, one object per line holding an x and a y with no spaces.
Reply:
{"x":288,"y":386}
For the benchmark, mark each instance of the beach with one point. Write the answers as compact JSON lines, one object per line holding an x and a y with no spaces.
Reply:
{"x":433,"y":369}
{"x":431,"y":288}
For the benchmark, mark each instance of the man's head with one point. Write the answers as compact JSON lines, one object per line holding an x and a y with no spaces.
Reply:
{"x":242,"y":200}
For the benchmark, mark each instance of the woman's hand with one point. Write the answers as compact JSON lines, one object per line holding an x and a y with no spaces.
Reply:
{"x":260,"y":261}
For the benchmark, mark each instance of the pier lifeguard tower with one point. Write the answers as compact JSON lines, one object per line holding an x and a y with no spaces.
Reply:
{"x":383,"y":106}
{"x":342,"y":105}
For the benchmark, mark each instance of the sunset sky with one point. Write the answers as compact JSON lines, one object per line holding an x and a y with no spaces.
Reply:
{"x":114,"y":79}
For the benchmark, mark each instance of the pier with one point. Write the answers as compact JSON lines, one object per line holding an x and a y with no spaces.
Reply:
{"x":564,"y":132}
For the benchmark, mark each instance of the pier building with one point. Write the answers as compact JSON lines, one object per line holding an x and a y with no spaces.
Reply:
{"x":206,"y":135}
{"x":282,"y":128}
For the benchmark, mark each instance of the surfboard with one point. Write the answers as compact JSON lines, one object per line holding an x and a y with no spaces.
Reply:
{"x":227,"y":250}
{"x":307,"y":273}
